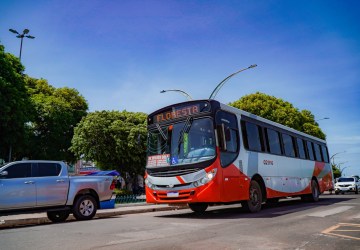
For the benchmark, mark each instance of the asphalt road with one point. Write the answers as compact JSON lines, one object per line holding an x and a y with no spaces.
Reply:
{"x":332,"y":223}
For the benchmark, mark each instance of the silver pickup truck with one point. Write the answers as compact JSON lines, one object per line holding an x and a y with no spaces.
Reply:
{"x":46,"y":185}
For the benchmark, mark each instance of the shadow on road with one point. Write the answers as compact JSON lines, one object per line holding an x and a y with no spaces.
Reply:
{"x":283,"y":207}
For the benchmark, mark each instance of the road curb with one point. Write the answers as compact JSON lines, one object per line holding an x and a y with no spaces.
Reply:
{"x":11,"y":223}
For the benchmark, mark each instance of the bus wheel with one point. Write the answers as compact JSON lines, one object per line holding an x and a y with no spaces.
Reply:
{"x":58,"y":216}
{"x":315,"y":193}
{"x":198,"y":207}
{"x":253,"y":205}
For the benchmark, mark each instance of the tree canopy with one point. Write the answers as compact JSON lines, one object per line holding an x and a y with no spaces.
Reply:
{"x":280,"y":111}
{"x":15,"y":106}
{"x":113,"y":139}
{"x":57,"y":111}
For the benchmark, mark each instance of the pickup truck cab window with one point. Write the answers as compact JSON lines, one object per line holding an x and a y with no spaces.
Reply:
{"x":20,"y":170}
{"x":47,"y":169}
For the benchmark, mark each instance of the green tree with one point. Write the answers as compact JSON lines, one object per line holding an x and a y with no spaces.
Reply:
{"x":58,"y":110}
{"x":280,"y":111}
{"x":112,"y":139}
{"x":16,"y":109}
{"x":336,"y":170}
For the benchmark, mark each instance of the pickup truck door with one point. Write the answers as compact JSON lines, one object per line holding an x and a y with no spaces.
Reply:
{"x":17,"y":187}
{"x":51,"y":187}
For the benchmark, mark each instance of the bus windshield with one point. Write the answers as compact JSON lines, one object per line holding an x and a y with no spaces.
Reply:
{"x":189,"y":141}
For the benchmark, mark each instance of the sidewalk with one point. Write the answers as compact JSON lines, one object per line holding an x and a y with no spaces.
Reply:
{"x":26,"y":219}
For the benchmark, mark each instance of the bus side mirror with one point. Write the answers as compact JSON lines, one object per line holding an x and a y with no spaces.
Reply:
{"x":220,"y":129}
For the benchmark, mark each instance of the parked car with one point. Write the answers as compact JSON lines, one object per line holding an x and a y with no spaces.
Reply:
{"x":347,"y":184}
{"x":46,"y":185}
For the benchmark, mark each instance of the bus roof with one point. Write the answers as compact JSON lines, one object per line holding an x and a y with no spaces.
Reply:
{"x":259,"y":118}
{"x":238,"y":112}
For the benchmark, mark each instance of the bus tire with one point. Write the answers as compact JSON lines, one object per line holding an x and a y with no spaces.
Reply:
{"x":315,"y":193}
{"x":253,"y":205}
{"x":58,"y":216}
{"x":198,"y":207}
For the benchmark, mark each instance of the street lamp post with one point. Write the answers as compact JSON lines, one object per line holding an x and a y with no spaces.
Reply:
{"x":216,"y":90}
{"x":178,"y":90}
{"x":342,"y":170}
{"x":325,"y":118}
{"x":332,"y":157}
{"x":21,"y":36}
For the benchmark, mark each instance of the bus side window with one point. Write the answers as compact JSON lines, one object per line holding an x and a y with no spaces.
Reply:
{"x":229,"y":125}
{"x":231,"y":140}
{"x":310,"y":150}
{"x":301,"y":148}
{"x":325,"y":153}
{"x":252,"y":136}
{"x":288,"y":145}
{"x":273,"y":141}
{"x":317,"y":152}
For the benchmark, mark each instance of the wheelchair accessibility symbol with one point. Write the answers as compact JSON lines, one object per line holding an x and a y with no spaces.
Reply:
{"x":174,"y":160}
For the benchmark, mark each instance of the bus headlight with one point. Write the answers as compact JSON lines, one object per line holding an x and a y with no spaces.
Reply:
{"x":149,"y":184}
{"x":208,"y":177}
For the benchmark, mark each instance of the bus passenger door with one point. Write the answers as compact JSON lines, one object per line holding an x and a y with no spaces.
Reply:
{"x":233,"y":189}
{"x":228,"y":138}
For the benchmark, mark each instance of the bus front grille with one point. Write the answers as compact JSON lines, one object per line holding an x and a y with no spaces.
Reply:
{"x":182,"y":196}
{"x":172,"y":173}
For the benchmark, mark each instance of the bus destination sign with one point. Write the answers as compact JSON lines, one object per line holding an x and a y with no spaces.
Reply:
{"x":177,"y":112}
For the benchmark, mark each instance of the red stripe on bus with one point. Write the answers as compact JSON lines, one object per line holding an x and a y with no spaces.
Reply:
{"x":180,"y":179}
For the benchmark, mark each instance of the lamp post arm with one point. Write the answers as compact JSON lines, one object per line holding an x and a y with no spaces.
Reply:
{"x":178,"y":90}
{"x":218,"y":87}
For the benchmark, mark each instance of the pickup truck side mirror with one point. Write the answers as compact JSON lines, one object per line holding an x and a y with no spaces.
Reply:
{"x":3,"y":173}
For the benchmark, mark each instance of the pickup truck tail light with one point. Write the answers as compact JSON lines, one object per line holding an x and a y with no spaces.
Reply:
{"x":112,"y":186}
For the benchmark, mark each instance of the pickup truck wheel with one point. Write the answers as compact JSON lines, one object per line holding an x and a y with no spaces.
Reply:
{"x":58,"y":216}
{"x":84,"y":207}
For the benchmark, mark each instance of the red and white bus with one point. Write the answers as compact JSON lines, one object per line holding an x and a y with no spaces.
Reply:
{"x":204,"y":152}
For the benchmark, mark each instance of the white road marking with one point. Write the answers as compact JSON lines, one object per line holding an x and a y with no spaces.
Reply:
{"x":331,"y":211}
{"x":357,"y":216}
{"x":292,"y":210}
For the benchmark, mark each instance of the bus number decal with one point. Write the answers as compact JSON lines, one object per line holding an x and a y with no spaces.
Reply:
{"x":268,"y":162}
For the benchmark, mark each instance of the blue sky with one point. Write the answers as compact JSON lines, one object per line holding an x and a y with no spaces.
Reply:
{"x":121,"y":54}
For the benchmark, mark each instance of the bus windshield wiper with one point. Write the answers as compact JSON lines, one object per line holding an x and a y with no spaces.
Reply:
{"x":161,"y":132}
{"x":184,"y":130}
